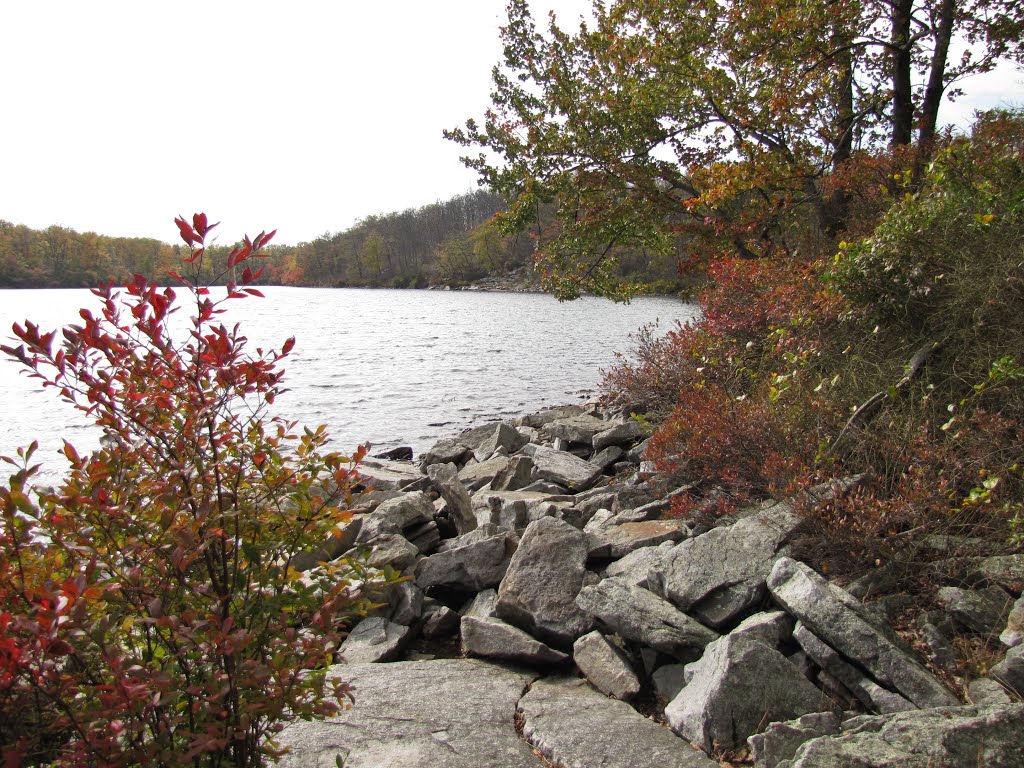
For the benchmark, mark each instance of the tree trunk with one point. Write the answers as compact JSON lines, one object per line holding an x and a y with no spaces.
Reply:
{"x":936,"y":77}
{"x":902,"y":88}
{"x":836,"y":208}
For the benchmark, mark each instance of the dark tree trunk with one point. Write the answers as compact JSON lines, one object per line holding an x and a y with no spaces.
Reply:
{"x":936,"y":77}
{"x":836,"y":208}
{"x":902,"y":88}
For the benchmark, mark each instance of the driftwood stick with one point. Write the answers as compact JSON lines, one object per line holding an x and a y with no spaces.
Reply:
{"x":864,"y":412}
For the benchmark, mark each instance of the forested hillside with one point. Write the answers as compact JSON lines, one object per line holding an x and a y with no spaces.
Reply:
{"x":451,"y":243}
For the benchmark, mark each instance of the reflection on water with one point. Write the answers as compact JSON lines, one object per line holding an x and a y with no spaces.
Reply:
{"x":389,"y":367}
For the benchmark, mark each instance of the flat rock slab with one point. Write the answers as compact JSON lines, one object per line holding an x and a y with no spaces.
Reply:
{"x":389,"y":475}
{"x":494,"y":639}
{"x":927,"y":738}
{"x":643,"y":617}
{"x":575,"y":726}
{"x":835,"y":616}
{"x":605,"y":666}
{"x":615,"y":541}
{"x":563,"y":468}
{"x":444,"y":713}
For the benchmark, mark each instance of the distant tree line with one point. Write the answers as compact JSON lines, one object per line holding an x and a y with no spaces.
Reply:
{"x":452,"y":242}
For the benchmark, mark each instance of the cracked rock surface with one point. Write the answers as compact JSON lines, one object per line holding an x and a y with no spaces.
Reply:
{"x":559,"y":718}
{"x":443,"y":713}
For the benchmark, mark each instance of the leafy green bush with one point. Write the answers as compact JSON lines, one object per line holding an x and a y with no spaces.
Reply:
{"x":946,"y":263}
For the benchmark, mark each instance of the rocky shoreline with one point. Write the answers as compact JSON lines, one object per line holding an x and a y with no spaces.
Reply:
{"x":551,"y":615}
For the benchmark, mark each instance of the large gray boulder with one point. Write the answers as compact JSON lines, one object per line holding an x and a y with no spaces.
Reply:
{"x":738,"y":686}
{"x":539,"y":589}
{"x":574,"y":726}
{"x":448,"y":450}
{"x":989,"y":737}
{"x":543,"y":418}
{"x":780,"y":740}
{"x":374,"y":639}
{"x":637,"y":565}
{"x":512,"y":509}
{"x":479,"y":475}
{"x":1010,"y":671}
{"x":518,"y":473}
{"x":773,"y":628}
{"x":606,"y":457}
{"x":837,"y":618}
{"x":485,"y":441}
{"x":720,"y":574}
{"x":471,"y":567}
{"x":395,"y":515}
{"x":446,"y":713}
{"x":392,"y":549}
{"x":605,"y":666}
{"x":563,"y":468}
{"x":577,"y":429}
{"x":641,"y":616}
{"x":620,"y":434}
{"x":841,"y":622}
{"x":495,"y":639}
{"x":984,"y":692}
{"x":1005,"y":570}
{"x":983,"y":611}
{"x":1013,"y":634}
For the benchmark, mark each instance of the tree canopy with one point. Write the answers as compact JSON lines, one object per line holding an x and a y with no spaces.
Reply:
{"x":719,"y":122}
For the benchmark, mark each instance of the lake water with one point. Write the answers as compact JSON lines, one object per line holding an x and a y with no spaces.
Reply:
{"x":389,"y":367}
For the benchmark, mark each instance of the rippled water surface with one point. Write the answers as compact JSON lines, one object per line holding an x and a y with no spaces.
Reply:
{"x":391,"y":367}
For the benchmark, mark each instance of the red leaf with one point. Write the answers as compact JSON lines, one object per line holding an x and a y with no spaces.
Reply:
{"x":71,"y":453}
{"x":186,"y":231}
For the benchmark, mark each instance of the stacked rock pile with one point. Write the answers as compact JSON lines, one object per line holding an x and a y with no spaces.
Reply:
{"x":539,"y":550}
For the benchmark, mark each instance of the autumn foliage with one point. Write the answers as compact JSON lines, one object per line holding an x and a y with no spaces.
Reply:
{"x":896,"y":360}
{"x":150,"y":610}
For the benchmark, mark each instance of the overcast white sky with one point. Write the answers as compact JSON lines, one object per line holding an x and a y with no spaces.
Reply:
{"x":302,"y":116}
